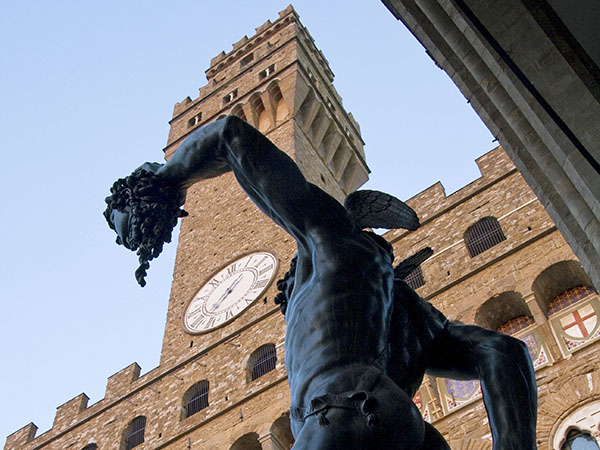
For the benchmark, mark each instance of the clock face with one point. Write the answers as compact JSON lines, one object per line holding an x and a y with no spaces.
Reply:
{"x":230,"y":291}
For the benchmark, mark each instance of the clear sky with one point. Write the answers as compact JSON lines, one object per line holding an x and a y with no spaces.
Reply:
{"x":86,"y":91}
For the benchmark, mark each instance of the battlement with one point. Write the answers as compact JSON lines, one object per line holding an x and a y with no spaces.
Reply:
{"x":67,"y":413}
{"x":238,"y":49}
{"x":266,"y":79}
{"x":77,"y":410}
{"x":432,"y":201}
{"x":120,"y":383}
{"x":249,"y":51}
{"x":19,"y":438}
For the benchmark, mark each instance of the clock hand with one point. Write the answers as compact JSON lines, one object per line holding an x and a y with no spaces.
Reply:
{"x":235,"y":283}
{"x":228,"y":291}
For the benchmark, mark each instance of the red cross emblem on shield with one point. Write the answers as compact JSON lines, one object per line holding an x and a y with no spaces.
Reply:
{"x":579,"y":324}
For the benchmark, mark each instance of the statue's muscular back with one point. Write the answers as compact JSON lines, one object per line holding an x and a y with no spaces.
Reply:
{"x":338,"y":321}
{"x":338,"y":315}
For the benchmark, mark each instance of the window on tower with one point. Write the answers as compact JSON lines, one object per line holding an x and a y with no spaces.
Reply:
{"x":196,"y":398}
{"x":195,"y":120}
{"x":483,"y":235}
{"x":329,"y":104}
{"x":229,"y":97}
{"x":134,"y":433}
{"x":261,"y":361}
{"x":266,"y":72}
{"x":415,"y":278}
{"x":247,"y":60}
{"x":579,"y":440}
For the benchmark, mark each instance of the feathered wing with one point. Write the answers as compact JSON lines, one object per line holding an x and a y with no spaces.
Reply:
{"x":412,"y":262}
{"x":375,"y":209}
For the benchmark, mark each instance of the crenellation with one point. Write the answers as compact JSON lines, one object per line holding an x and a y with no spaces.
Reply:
{"x":237,"y":45}
{"x":21,"y":437}
{"x":433,"y":200}
{"x":245,"y":44}
{"x":69,"y":412}
{"x":289,"y":9}
{"x":217,"y":59}
{"x":119,"y":383}
{"x":181,"y":106}
{"x":316,"y":54}
{"x":264,"y":26}
{"x":494,"y":163}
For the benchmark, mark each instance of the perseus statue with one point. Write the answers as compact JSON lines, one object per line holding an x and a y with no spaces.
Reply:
{"x":358,"y":339}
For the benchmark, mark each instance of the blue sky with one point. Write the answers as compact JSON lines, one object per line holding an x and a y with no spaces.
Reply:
{"x":86,"y":91}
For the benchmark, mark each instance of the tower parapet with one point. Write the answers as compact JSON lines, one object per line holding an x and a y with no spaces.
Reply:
{"x":120,"y":382}
{"x":21,"y":437}
{"x":432,"y":201}
{"x":68,"y":413}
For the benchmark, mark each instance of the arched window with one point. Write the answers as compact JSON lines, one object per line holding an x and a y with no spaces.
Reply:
{"x":500,"y":309}
{"x":579,"y":440}
{"x":572,"y":433}
{"x":90,"y":447}
{"x":483,"y":235}
{"x":134,"y":434}
{"x":196,"y":398}
{"x":568,"y":298}
{"x":261,"y":361}
{"x":238,"y":110}
{"x":281,"y":433}
{"x":515,"y":325}
{"x":247,"y":442}
{"x":415,"y":278}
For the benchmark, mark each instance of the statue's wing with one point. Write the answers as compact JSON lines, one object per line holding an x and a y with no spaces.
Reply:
{"x":374,"y":209}
{"x":412,"y":262}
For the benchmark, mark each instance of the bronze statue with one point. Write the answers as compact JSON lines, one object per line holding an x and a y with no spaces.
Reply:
{"x":358,"y":339}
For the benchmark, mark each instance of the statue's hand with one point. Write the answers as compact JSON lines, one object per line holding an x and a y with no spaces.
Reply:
{"x":151,"y":166}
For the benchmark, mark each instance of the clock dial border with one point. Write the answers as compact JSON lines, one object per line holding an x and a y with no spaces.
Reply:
{"x":206,"y":281}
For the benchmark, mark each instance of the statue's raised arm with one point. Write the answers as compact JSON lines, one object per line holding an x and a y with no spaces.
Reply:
{"x":144,"y":207}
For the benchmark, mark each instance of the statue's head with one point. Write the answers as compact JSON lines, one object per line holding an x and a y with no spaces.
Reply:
{"x":143,"y":212}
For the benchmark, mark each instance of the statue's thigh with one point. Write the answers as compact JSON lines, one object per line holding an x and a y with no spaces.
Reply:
{"x":398,"y":425}
{"x":345,"y":430}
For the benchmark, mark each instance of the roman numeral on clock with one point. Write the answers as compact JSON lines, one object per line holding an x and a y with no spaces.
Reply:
{"x":211,"y":322}
{"x":232,"y":269}
{"x":265,"y":270}
{"x":260,"y":284}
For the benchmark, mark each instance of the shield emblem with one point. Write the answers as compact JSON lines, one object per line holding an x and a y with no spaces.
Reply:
{"x":581,"y":323}
{"x":418,"y":400}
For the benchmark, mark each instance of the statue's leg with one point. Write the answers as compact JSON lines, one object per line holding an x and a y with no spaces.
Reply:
{"x":395,"y":424}
{"x":433,"y":439}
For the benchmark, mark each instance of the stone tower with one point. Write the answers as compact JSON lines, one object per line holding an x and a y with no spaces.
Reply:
{"x":279,"y":82}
